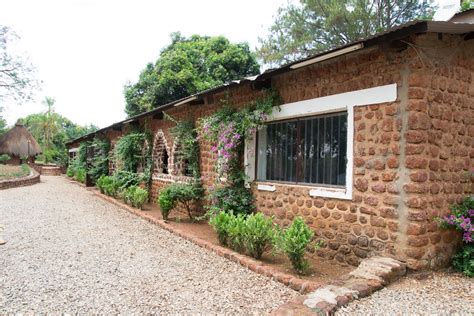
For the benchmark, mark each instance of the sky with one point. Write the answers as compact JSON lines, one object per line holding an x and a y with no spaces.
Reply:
{"x":84,"y":51}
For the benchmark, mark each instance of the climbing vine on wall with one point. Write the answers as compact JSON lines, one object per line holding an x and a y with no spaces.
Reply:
{"x":186,"y":136}
{"x":100,"y":159}
{"x":228,"y":128}
{"x":128,"y":152}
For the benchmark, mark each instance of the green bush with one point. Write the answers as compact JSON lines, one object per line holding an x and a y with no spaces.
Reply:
{"x":259,"y":234}
{"x":126,"y":179}
{"x":103,"y":182}
{"x":178,"y":193}
{"x":108,"y":185}
{"x":232,"y":199}
{"x":463,"y":260}
{"x":70,"y":171}
{"x":220,"y":223}
{"x":80,"y":175}
{"x":4,"y":158}
{"x":236,"y":232}
{"x":293,"y":241}
{"x":252,"y":234}
{"x":135,"y":196}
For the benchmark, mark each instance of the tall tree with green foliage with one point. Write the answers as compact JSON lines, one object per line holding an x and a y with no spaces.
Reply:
{"x":53,"y":131}
{"x":187,"y":66}
{"x":314,"y":26}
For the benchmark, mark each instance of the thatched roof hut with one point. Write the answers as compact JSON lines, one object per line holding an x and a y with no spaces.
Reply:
{"x":18,"y":142}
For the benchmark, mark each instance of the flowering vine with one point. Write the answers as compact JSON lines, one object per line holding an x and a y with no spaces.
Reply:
{"x":461,"y":219}
{"x":227,"y":130}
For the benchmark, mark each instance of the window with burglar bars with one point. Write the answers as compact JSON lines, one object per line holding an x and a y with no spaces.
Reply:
{"x":307,"y":151}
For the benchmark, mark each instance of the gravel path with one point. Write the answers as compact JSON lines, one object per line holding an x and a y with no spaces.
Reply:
{"x":70,"y":252}
{"x":440,"y":293}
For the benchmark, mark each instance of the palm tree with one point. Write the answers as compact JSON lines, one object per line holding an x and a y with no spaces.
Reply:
{"x":49,"y":123}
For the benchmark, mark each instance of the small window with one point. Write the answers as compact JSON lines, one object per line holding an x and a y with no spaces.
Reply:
{"x":306,"y":151}
{"x":160,"y":154}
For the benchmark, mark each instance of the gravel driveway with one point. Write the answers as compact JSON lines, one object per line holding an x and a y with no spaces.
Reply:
{"x":440,"y":293}
{"x":69,"y":251}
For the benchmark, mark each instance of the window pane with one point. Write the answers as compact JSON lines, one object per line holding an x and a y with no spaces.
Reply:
{"x":310,"y":150}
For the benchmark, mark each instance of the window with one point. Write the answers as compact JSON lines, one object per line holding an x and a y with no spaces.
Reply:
{"x":307,"y":151}
{"x":160,"y":154}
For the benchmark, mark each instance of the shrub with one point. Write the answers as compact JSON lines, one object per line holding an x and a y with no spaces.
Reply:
{"x":175,"y":193}
{"x":4,"y":158}
{"x":80,"y":175}
{"x":463,"y":260}
{"x":126,"y":179}
{"x":293,"y":241}
{"x":259,"y":234}
{"x":135,"y":196}
{"x":236,"y":232}
{"x":103,"y":182}
{"x":220,"y":223}
{"x":70,"y":172}
{"x":230,"y":199}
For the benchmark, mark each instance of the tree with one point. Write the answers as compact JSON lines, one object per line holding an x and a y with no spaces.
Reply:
{"x":16,"y":73}
{"x":187,"y":66}
{"x":3,"y":125}
{"x":53,"y":131}
{"x":315,"y":26}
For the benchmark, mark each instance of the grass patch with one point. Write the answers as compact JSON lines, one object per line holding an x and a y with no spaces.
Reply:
{"x":12,"y":172}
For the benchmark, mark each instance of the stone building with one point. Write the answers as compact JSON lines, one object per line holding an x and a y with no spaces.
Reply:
{"x":385,"y":130}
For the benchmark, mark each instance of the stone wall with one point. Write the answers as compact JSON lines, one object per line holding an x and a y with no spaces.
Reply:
{"x":412,"y":157}
{"x":439,"y":145}
{"x":31,"y":179}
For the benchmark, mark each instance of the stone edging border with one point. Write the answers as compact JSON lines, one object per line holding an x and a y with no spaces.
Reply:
{"x":371,"y":275}
{"x":295,"y":283}
{"x":32,"y":178}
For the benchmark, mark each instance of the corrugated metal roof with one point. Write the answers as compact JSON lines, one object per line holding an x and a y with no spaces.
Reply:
{"x":397,"y":32}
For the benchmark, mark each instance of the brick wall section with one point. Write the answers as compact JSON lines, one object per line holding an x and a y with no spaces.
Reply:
{"x":439,"y":146}
{"x":411,"y":157}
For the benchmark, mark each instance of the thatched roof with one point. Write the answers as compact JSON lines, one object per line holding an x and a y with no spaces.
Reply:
{"x":15,"y":142}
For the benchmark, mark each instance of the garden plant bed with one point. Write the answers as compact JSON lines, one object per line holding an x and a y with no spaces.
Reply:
{"x":11,"y":172}
{"x":276,"y":266}
{"x":17,"y":176}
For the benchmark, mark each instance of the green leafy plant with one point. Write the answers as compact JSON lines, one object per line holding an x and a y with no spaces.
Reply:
{"x":70,"y":172}
{"x":231,"y":199}
{"x":185,"y":194}
{"x":103,"y":182}
{"x":100,"y":159}
{"x":259,"y":234}
{"x":220,"y":223}
{"x":4,"y":158}
{"x":293,"y":241}
{"x":185,"y":135}
{"x":135,"y":196}
{"x":128,"y":152}
{"x":463,"y":260}
{"x":126,"y":179}
{"x":80,"y":175}
{"x":236,"y":232}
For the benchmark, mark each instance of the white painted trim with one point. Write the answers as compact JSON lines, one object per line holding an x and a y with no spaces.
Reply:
{"x":334,"y":103}
{"x":329,"y":55}
{"x":249,"y":157}
{"x":266,"y":187}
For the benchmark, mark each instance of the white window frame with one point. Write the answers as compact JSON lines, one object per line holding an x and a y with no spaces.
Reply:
{"x":312,"y":107}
